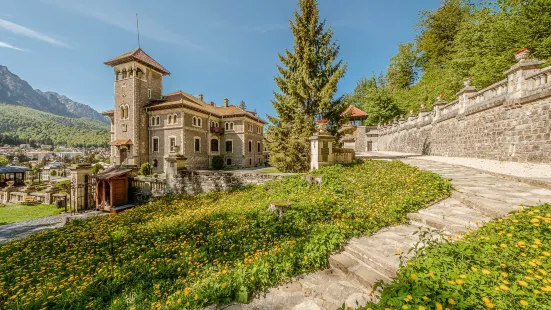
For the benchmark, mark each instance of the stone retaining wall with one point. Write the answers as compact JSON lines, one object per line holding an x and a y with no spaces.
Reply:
{"x":507,"y":121}
{"x":200,"y":181}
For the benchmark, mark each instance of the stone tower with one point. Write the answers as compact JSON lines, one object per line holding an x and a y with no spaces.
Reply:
{"x":138,"y":80}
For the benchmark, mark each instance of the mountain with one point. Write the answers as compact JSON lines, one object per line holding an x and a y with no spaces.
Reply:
{"x":76,"y":108}
{"x":20,"y":125}
{"x":15,"y":91}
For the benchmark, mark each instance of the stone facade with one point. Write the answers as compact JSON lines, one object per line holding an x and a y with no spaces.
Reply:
{"x":507,"y":121}
{"x":147,"y":126}
{"x":202,"y":181}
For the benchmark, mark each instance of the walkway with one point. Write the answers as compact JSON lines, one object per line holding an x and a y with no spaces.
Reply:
{"x":478,"y":197}
{"x":23,"y":229}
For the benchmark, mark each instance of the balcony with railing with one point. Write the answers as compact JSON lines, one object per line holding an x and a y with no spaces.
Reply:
{"x":217,"y":130}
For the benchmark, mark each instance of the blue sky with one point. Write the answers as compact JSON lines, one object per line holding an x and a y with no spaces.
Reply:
{"x":220,"y":48}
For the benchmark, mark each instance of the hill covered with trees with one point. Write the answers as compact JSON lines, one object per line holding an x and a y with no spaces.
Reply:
{"x":25,"y":125}
{"x":461,"y":39}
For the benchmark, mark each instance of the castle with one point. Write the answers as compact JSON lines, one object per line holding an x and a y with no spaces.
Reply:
{"x":147,"y":126}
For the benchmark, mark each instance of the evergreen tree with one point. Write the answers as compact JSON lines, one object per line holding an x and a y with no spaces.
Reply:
{"x":242,"y":105}
{"x":307,"y":82}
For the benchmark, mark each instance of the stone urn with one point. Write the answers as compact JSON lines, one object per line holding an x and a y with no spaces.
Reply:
{"x":322,"y":125}
{"x":522,"y":54}
{"x":279,"y":207}
{"x":467,"y":81}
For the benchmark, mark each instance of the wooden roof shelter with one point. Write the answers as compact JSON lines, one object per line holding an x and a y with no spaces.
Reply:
{"x":112,"y":189}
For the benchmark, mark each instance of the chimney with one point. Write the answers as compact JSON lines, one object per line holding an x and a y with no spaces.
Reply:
{"x":226,"y":102}
{"x":201,"y":97}
{"x":212,"y":103}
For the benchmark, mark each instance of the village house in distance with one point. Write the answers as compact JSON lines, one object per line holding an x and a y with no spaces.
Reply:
{"x":147,"y":126}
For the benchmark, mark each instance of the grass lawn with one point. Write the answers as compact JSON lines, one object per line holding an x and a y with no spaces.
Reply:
{"x":186,"y":252}
{"x":18,"y":213}
{"x":268,"y":170}
{"x":504,"y":265}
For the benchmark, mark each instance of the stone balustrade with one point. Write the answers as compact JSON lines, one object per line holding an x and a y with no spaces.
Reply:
{"x":508,"y":120}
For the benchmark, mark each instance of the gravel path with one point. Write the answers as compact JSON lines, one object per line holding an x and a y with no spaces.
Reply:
{"x":23,"y":229}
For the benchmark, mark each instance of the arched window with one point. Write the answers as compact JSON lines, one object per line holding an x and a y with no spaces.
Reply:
{"x":199,"y":122}
{"x":174,"y":119}
{"x":155,"y":163}
{"x":158,"y":120}
{"x":122,"y":112}
{"x":250,"y":146}
{"x":194,"y":121}
{"x":227,"y":126}
{"x":231,"y":126}
{"x":258,"y":146}
{"x":197,"y":144}
{"x":214,"y":145}
{"x":228,"y":162}
{"x":170,"y":119}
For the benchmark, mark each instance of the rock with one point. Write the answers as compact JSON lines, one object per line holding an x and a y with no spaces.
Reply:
{"x":307,"y":305}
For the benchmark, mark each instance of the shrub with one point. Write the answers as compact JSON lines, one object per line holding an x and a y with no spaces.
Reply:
{"x":506,"y":264}
{"x":184,"y":251}
{"x":64,"y":185}
{"x":3,"y":160}
{"x":53,"y":173}
{"x":146,"y":169}
{"x":217,"y":162}
{"x":97,"y":168}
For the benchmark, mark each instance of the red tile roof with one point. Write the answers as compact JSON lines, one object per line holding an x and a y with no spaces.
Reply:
{"x":180,"y":98}
{"x":140,"y":56}
{"x":121,"y":142}
{"x":352,"y":111}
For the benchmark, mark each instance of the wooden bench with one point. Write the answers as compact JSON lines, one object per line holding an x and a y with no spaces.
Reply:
{"x":29,"y":200}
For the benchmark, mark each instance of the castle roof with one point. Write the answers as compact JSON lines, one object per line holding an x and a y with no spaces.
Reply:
{"x":140,"y":56}
{"x":182,"y":99}
{"x":353,"y":112}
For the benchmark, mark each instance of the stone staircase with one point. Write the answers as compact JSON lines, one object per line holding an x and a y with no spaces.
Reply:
{"x":477,"y":198}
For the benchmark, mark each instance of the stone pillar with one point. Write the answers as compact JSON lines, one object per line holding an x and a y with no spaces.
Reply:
{"x":80,"y":174}
{"x":321,"y":144}
{"x":173,"y":164}
{"x":517,"y":74}
{"x":464,"y":95}
{"x":437,"y":106}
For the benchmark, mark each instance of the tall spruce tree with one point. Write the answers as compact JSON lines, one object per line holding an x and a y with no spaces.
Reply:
{"x":307,"y":82}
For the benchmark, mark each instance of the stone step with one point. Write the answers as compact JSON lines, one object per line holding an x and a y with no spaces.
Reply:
{"x":445,"y":225}
{"x":487,"y":207}
{"x":364,"y":274}
{"x":457,"y":213}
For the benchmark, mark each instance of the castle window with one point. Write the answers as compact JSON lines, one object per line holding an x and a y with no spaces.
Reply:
{"x":155,"y":145}
{"x":170,"y":119}
{"x":228,"y":162}
{"x":214,"y":145}
{"x":229,"y":146}
{"x":197,"y":142}
{"x":199,"y":122}
{"x":250,"y":146}
{"x":258,"y":146}
{"x":149,"y":93}
{"x":229,"y":125}
{"x":155,"y":163}
{"x":172,"y":144}
{"x":158,"y":118}
{"x":174,"y":119}
{"x":122,"y":112}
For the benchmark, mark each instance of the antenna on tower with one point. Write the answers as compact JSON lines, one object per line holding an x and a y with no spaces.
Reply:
{"x":138,"y":29}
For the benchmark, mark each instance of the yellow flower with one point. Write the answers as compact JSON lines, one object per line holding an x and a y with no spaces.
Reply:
{"x":486,"y":300}
{"x":485,"y":271}
{"x":405,"y":307}
{"x":451,"y":301}
{"x":463,"y":276}
{"x":425,"y":298}
{"x":546,"y":253}
{"x":489,"y":305}
{"x":503,"y":245}
{"x":413,"y":276}
{"x":186,"y":291}
{"x":439,"y":307}
{"x":421,"y":308}
{"x":460,"y":282}
{"x":522,"y":283}
{"x":523,"y":302}
{"x":543,"y":272}
{"x":504,"y":287}
{"x":431,"y":274}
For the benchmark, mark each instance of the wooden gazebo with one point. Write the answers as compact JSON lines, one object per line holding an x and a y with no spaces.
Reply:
{"x":13,"y":173}
{"x":355,"y":116}
{"x":112,"y":190}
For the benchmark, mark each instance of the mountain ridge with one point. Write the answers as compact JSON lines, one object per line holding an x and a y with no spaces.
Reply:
{"x":18,"y":92}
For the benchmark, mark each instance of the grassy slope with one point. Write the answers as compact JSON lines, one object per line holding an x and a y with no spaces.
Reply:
{"x":26,"y":123}
{"x":506,"y":264}
{"x":210,"y":248}
{"x":18,"y":213}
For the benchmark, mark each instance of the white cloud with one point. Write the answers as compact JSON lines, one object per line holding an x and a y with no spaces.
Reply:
{"x":6,"y":45}
{"x":24,"y":31}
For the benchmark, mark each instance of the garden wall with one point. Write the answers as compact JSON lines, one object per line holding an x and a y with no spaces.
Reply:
{"x":200,"y":181}
{"x":509,"y":121}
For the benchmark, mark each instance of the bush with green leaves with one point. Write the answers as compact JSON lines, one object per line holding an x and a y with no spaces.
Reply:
{"x":53,"y":173}
{"x":146,"y":169}
{"x":218,"y":162}
{"x":97,"y":168}
{"x":506,"y":264}
{"x":4,"y":160}
{"x":182,"y":252}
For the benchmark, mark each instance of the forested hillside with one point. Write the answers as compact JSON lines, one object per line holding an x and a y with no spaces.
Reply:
{"x":25,"y":125}
{"x":460,"y":39}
